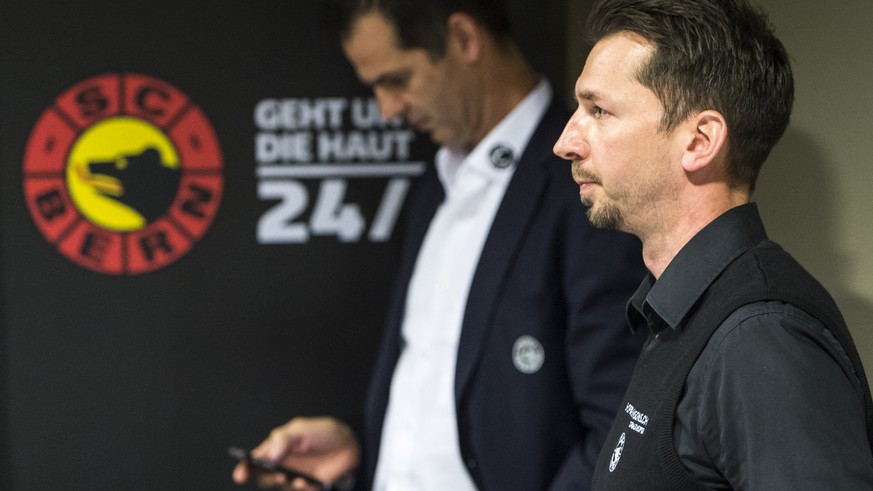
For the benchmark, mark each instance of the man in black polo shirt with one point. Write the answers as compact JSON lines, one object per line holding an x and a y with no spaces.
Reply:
{"x":749,"y":378}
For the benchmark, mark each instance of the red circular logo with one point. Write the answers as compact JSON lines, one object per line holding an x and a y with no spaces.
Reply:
{"x":123,"y":174}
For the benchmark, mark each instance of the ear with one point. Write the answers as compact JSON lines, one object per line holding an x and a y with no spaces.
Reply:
{"x":465,"y":34}
{"x":707,"y":133}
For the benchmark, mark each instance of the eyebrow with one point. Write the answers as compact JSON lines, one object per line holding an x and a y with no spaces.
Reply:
{"x":588,"y":95}
{"x":389,"y":77}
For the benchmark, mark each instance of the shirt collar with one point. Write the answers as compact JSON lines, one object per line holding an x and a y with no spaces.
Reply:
{"x":496,"y":156}
{"x":667,"y":301}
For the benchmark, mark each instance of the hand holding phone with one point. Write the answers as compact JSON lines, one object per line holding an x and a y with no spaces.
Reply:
{"x":345,"y":483}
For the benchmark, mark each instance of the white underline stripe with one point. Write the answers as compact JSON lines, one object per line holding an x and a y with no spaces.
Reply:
{"x":362,"y":169}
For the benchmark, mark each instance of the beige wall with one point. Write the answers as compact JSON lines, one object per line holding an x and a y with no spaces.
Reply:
{"x":816,"y":190}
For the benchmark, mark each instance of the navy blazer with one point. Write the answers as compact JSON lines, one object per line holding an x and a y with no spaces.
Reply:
{"x":544,"y":272}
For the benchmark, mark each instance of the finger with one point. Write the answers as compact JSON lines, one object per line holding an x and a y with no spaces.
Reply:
{"x":241,"y":473}
{"x":261,"y":450}
{"x":267,"y":480}
{"x":300,"y":484}
{"x":280,"y":444}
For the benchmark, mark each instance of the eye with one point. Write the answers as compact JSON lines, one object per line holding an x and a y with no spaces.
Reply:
{"x":597,"y":112}
{"x":394,"y":81}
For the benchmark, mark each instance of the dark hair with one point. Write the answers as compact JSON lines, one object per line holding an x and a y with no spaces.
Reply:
{"x":711,"y":54}
{"x":418,"y":23}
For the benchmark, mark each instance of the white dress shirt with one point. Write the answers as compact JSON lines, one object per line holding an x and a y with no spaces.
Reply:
{"x":419,"y":448}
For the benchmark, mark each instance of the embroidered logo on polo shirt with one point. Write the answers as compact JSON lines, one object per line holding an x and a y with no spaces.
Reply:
{"x":638,"y":420}
{"x":502,"y":156}
{"x":528,"y":354}
{"x":616,"y":454}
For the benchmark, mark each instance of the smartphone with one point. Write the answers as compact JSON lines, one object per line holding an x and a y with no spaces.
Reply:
{"x":345,"y":483}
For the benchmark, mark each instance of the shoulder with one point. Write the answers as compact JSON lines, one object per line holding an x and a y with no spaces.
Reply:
{"x":773,"y":354}
{"x":766,"y":381}
{"x":768,"y":336}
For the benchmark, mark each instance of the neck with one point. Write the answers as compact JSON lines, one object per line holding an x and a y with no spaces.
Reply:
{"x":663,"y":243}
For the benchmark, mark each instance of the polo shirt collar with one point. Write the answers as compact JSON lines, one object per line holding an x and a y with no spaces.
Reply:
{"x":666,"y":302}
{"x":497,"y":155}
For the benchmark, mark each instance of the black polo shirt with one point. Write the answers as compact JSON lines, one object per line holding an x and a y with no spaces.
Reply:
{"x":766,"y":406}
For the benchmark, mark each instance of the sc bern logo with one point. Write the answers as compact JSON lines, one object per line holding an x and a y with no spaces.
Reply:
{"x":123,"y":174}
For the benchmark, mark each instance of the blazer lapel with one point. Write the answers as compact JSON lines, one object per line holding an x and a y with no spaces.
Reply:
{"x":522,"y":198}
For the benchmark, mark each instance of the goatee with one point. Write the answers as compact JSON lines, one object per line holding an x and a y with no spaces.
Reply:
{"x":608,"y":217}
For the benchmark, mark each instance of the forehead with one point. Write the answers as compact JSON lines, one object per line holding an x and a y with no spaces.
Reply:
{"x":613,"y":64}
{"x":371,"y":47}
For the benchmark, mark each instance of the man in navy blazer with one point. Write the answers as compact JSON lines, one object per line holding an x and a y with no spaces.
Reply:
{"x":506,"y":350}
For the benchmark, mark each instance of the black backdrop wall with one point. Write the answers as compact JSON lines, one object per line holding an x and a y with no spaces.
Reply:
{"x":141,"y":338}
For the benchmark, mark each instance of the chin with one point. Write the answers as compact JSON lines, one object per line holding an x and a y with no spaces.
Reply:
{"x":440,"y":138}
{"x":606,"y":217}
{"x":445,"y":137}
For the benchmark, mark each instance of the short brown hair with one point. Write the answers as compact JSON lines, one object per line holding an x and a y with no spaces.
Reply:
{"x":711,"y":54}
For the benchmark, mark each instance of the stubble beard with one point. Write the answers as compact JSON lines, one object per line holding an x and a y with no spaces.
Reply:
{"x":608,"y":217}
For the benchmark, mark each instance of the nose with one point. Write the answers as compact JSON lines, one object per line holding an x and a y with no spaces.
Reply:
{"x":391,"y":103}
{"x":572,"y":144}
